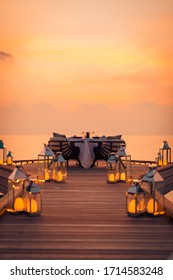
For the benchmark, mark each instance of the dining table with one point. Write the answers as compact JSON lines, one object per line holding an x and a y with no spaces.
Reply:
{"x":86,"y":151}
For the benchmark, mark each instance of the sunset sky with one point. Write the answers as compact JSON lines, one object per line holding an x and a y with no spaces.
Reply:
{"x":98,"y":65}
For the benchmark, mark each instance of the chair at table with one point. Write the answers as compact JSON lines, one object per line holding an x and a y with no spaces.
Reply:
{"x":68,"y":149}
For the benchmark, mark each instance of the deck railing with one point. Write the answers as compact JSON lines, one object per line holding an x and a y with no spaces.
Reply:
{"x":134,"y":161}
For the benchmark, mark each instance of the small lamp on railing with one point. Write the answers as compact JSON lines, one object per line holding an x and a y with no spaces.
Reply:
{"x":33,"y":199}
{"x":58,"y":168}
{"x":45,"y":157}
{"x":16,"y":182}
{"x":111,"y":168}
{"x":125,"y":157}
{"x":135,"y":200}
{"x":165,"y":152}
{"x":9,"y":158}
{"x":153,"y":184}
{"x":158,"y":159}
{"x":3,"y":152}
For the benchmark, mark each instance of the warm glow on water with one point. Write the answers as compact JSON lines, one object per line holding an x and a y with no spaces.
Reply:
{"x":142,"y":147}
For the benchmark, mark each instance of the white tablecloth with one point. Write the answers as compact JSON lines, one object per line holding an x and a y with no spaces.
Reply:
{"x":86,"y":154}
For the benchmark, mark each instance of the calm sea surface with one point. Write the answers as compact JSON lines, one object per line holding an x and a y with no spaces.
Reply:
{"x":142,"y":147}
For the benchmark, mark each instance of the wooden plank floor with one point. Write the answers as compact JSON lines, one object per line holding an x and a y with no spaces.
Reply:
{"x":85,"y":218}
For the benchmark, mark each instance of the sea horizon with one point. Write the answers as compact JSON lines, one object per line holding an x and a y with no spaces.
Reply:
{"x":28,"y":146}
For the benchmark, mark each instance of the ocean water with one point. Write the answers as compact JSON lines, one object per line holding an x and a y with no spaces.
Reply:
{"x":141,"y":147}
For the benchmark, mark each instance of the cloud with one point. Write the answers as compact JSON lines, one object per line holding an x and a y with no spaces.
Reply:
{"x":92,"y":107}
{"x":5,"y":56}
{"x":42,"y":106}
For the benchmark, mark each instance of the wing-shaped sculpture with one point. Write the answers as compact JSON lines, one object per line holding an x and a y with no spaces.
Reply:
{"x":101,"y":147}
{"x":106,"y":147}
{"x":68,"y":149}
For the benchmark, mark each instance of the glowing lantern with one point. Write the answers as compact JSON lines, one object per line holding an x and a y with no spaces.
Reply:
{"x":165,"y":152}
{"x":19,"y":204}
{"x":9,"y":158}
{"x":59,"y":168}
{"x":151,"y":206}
{"x":3,"y":152}
{"x":47,"y":175}
{"x":135,"y":200}
{"x":153,"y":184}
{"x":121,"y":170}
{"x":33,"y":200}
{"x":159,"y":159}
{"x":125,"y":158}
{"x":16,"y":182}
{"x":45,"y":158}
{"x":111,"y":168}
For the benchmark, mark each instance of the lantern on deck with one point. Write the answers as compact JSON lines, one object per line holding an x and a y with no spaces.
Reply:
{"x":158,"y":159}
{"x":33,"y":199}
{"x":58,"y":168}
{"x":16,"y":182}
{"x":135,"y":200}
{"x":121,"y":173}
{"x":3,"y":152}
{"x":111,"y":168}
{"x":153,"y":184}
{"x":125,"y":157}
{"x":9,"y":158}
{"x":165,"y":152}
{"x":45,"y":158}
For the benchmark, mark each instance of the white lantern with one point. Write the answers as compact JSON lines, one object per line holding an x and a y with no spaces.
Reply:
{"x":111,"y":168}
{"x":45,"y":157}
{"x":9,"y":158}
{"x":153,"y":184}
{"x":126,"y":160}
{"x":33,"y":199}
{"x":58,"y":168}
{"x":159,"y":159}
{"x":3,"y":152}
{"x":135,"y":200}
{"x":165,"y":152}
{"x":16,"y":182}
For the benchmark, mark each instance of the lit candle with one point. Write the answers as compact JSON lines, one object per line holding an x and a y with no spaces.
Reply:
{"x":18,"y":204}
{"x":46,"y":175}
{"x":9,"y":161}
{"x":151,"y":206}
{"x":59,"y":176}
{"x":123,"y":176}
{"x":31,"y":206}
{"x":132,"y":206}
{"x":111,"y":177}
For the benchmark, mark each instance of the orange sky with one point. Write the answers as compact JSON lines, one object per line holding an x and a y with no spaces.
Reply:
{"x":95,"y":65}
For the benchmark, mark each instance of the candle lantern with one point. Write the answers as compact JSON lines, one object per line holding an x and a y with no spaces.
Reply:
{"x":3,"y":152}
{"x":59,"y":168}
{"x":135,"y":200}
{"x":33,"y":199}
{"x":153,"y":184}
{"x":158,"y":159}
{"x":16,"y":182}
{"x":111,"y":168}
{"x":125,"y":157}
{"x":45,"y":157}
{"x":121,"y":173}
{"x":9,"y":158}
{"x":165,"y":152}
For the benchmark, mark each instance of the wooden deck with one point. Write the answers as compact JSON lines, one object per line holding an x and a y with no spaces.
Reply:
{"x":85,"y":218}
